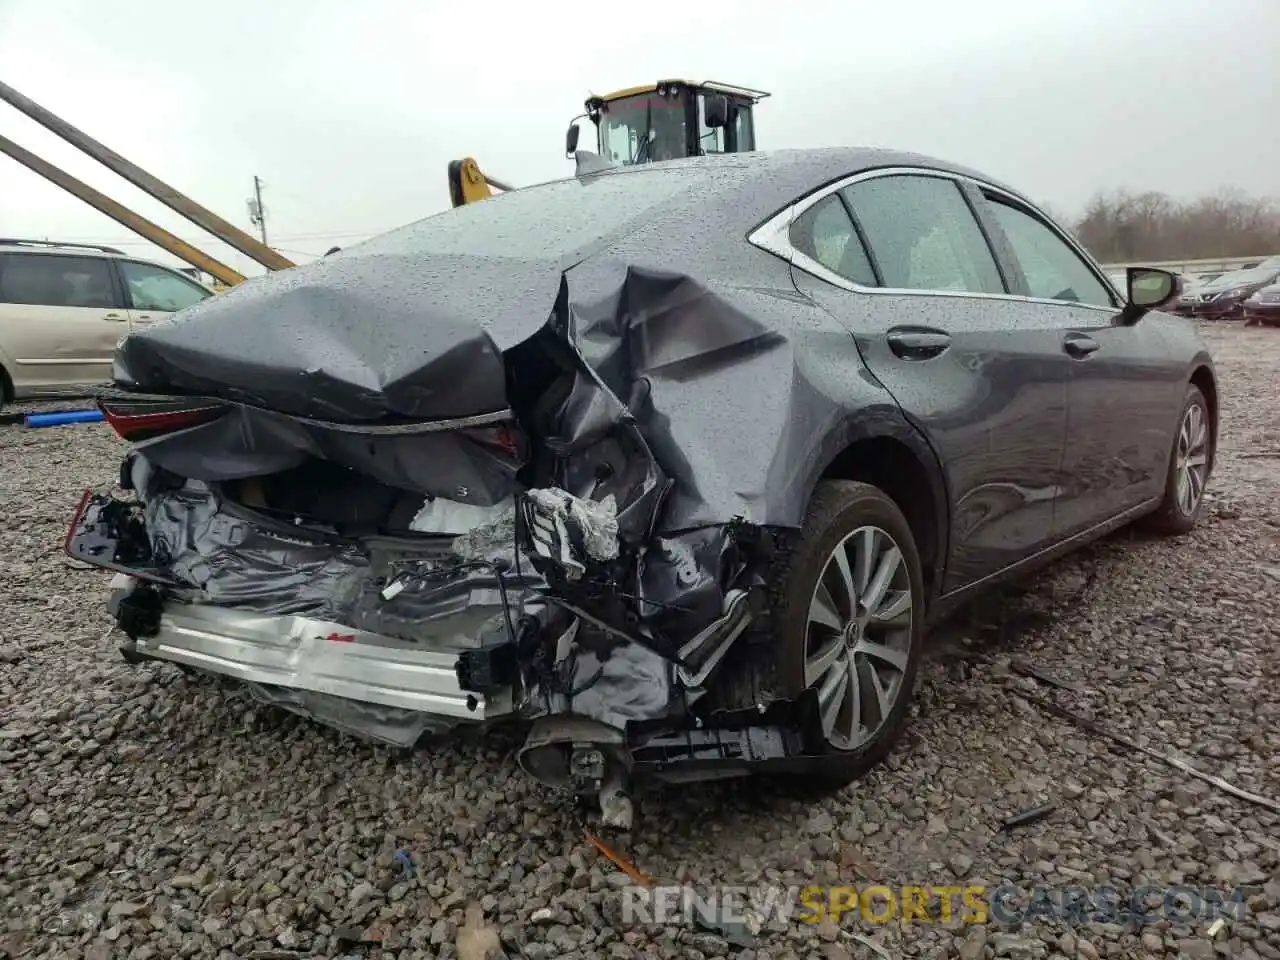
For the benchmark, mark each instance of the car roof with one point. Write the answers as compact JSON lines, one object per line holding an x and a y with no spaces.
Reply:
{"x":60,"y":247}
{"x":756,"y":186}
{"x":774,"y":178}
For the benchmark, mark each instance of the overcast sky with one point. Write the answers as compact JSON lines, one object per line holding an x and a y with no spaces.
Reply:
{"x":350,"y":111}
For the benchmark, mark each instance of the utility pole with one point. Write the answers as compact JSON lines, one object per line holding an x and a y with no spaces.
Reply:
{"x":257,"y":212}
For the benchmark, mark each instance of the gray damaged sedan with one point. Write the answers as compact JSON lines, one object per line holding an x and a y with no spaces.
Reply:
{"x":675,"y":462}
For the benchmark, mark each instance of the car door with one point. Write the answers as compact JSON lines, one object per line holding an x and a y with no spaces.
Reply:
{"x":154,"y":292}
{"x":1125,"y":390}
{"x":901,"y":259}
{"x":60,"y":319}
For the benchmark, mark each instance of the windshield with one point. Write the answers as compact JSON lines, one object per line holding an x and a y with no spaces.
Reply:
{"x":627,"y":124}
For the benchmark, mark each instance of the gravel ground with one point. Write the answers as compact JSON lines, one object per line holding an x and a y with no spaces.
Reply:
{"x":143,"y":814}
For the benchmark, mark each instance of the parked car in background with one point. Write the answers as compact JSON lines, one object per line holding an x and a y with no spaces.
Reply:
{"x":676,"y":460}
{"x":1224,"y":297}
{"x":1262,"y":308}
{"x":64,"y":306}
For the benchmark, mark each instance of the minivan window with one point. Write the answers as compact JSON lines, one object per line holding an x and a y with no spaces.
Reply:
{"x":1053,"y":270}
{"x":548,"y":221}
{"x":52,"y":280}
{"x":923,"y":234}
{"x":155,"y":288}
{"x":824,"y":233}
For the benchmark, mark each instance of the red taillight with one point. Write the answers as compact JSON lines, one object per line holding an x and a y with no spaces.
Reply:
{"x":140,"y":420}
{"x":75,"y":520}
{"x":503,"y":437}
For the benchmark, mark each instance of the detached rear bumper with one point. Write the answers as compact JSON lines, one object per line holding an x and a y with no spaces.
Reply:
{"x":315,"y":656}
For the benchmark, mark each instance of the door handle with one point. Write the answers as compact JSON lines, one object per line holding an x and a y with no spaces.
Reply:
{"x":918,"y":344}
{"x":1079,"y":346}
{"x":115,"y":318}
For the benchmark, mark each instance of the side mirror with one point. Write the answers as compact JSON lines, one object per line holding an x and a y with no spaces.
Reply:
{"x":571,"y":139}
{"x":715,"y":110}
{"x":1149,"y":288}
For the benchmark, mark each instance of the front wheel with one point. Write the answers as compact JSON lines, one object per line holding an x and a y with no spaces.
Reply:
{"x":850,"y":623}
{"x":1188,"y":469}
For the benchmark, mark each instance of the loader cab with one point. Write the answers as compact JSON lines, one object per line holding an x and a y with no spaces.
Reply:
{"x":669,"y":120}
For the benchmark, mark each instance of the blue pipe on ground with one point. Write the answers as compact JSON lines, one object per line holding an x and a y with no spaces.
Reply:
{"x":62,"y":417}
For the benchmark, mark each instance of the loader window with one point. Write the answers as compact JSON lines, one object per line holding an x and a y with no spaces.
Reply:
{"x":626,"y":124}
{"x":549,"y":221}
{"x":746,"y":129}
{"x":710,"y":139}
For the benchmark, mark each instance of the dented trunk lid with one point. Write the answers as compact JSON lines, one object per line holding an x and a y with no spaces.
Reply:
{"x":379,"y":338}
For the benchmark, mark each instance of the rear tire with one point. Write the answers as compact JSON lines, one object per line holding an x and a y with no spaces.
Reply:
{"x":1188,"y":472}
{"x":849,"y":622}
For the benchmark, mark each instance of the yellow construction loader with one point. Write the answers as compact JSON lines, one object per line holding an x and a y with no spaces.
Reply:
{"x":657,"y":121}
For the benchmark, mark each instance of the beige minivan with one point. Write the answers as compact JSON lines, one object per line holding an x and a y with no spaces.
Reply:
{"x":63,"y":308}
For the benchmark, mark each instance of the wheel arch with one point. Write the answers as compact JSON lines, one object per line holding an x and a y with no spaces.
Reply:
{"x":1202,"y":377}
{"x":887,"y":452}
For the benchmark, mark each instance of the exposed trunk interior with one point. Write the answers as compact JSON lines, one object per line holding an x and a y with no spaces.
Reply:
{"x":322,"y":493}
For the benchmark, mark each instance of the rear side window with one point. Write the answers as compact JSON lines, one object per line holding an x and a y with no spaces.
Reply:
{"x":1053,"y":270}
{"x":824,"y":233}
{"x":49,"y":280}
{"x":549,"y":221}
{"x":923,"y":234}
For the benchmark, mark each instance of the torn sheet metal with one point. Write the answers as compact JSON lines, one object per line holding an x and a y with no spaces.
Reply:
{"x":563,"y":527}
{"x":663,"y":361}
{"x":665,"y":422}
{"x":235,"y":560}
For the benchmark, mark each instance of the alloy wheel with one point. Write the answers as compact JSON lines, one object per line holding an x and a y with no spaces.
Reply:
{"x":1191,"y":459}
{"x":858,"y":637}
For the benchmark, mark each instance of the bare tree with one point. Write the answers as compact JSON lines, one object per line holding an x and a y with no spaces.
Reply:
{"x":1123,"y":227}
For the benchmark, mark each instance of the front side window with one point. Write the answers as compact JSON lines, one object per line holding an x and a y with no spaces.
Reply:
{"x":55,"y":281}
{"x":923,"y":234}
{"x":825,"y":233}
{"x":1053,"y":270}
{"x":154,"y":288}
{"x":643,"y":128}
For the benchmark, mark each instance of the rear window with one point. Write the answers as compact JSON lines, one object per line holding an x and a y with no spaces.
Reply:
{"x":548,"y":221}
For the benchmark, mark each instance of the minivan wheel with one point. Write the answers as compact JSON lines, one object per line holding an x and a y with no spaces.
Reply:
{"x":1188,"y":469}
{"x":849,"y":623}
